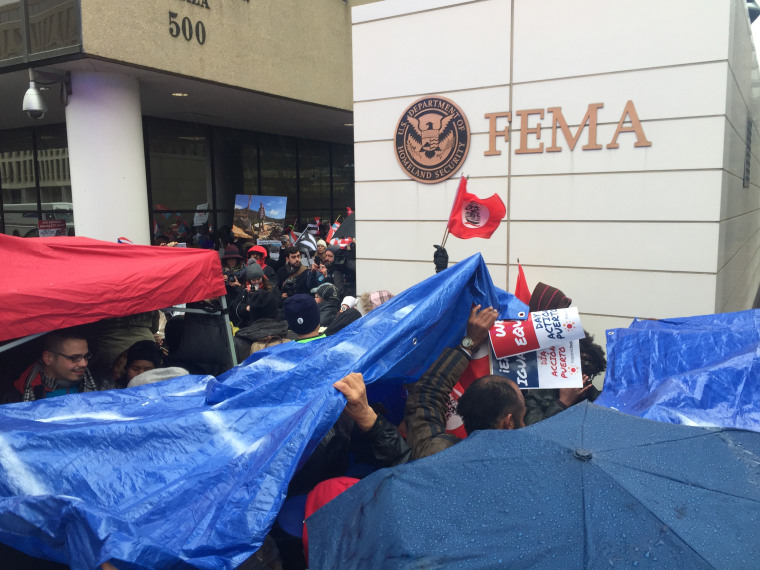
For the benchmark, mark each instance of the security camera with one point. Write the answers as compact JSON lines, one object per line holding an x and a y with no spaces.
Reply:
{"x":34,"y":105}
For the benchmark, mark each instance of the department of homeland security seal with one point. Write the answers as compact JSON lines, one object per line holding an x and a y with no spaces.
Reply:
{"x":432,"y":139}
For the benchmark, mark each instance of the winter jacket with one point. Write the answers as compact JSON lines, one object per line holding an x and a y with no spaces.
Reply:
{"x":260,"y":330}
{"x":328,"y":311}
{"x":427,"y":403}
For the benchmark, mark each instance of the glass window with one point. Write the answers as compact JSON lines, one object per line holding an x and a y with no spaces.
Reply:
{"x":25,"y":198}
{"x":180,"y":177}
{"x":11,"y":30}
{"x":278,"y":171}
{"x":53,"y":24}
{"x":18,"y":181}
{"x":54,"y":175}
{"x":314,"y":168}
{"x":343,"y":178}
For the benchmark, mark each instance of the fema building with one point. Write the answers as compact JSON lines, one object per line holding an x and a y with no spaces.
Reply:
{"x":618,"y":135}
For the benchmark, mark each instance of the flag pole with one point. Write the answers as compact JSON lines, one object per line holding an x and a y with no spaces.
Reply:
{"x":446,"y":231}
{"x":445,"y":235}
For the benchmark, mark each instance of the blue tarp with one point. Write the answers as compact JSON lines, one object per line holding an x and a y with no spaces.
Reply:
{"x":193,"y":471}
{"x":702,"y":371}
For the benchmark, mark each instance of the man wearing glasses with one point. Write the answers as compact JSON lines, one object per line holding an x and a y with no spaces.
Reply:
{"x":61,"y":369}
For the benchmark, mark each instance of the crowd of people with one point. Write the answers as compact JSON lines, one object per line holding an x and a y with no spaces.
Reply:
{"x":295,"y":295}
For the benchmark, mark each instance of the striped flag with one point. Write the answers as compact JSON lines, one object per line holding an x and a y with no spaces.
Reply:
{"x":343,"y":243}
{"x":306,"y":241}
{"x":333,"y":229}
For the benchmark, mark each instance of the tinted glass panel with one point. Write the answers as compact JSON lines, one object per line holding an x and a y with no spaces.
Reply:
{"x":314,"y":163}
{"x":180,"y":179}
{"x":343,"y":178}
{"x":278,"y":171}
{"x":18,"y":181}
{"x":55,"y":177}
{"x":53,"y":24}
{"x":11,"y":30}
{"x":21,"y":210}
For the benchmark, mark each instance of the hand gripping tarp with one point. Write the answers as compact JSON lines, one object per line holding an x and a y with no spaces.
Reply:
{"x":701,"y":371}
{"x":194,"y":470}
{"x":53,"y":283}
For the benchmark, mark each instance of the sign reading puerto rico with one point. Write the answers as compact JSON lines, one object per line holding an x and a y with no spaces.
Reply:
{"x":552,"y":367}
{"x":432,"y":139}
{"x":542,"y":329}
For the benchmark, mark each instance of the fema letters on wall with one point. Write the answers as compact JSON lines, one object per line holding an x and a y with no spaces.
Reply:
{"x":432,"y":135}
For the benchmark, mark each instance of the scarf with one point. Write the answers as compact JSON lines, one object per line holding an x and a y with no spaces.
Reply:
{"x":52,"y":384}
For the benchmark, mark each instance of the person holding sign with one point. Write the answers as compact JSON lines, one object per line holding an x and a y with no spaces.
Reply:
{"x":490,"y":402}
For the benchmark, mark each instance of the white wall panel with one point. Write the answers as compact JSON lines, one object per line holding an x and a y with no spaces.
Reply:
{"x":393,"y":8}
{"x":736,"y":106}
{"x":412,"y":201}
{"x":461,"y":47}
{"x":398,"y":275}
{"x":664,"y":93}
{"x":376,"y":120}
{"x":737,"y":280}
{"x":629,"y":294}
{"x":740,"y":49}
{"x":735,"y":233}
{"x":734,"y":151}
{"x":556,"y":38}
{"x":621,"y":245}
{"x":681,"y":144}
{"x":736,"y":199}
{"x":413,"y":241}
{"x":667,"y":196}
{"x":376,"y":161}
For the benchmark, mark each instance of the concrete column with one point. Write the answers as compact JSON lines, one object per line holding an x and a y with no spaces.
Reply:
{"x":107,"y":157}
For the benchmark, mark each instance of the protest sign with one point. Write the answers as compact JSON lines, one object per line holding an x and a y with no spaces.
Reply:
{"x":51,"y":228}
{"x":201,"y":214}
{"x":556,"y":366}
{"x":261,"y":215}
{"x":552,"y":367}
{"x":541,"y":330}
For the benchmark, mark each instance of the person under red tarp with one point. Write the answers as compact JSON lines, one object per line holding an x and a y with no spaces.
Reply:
{"x":61,"y":369}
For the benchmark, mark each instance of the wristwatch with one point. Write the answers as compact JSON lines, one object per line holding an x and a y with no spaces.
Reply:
{"x":468,"y":344}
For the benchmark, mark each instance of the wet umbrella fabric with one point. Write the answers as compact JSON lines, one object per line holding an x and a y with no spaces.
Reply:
{"x":590,"y":487}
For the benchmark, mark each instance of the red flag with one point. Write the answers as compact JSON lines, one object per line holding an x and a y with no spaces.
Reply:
{"x":317,"y":219}
{"x":522,"y":291}
{"x":475,"y":217}
{"x":349,"y":210}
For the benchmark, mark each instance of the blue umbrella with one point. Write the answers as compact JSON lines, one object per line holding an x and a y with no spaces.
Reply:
{"x":590,"y":487}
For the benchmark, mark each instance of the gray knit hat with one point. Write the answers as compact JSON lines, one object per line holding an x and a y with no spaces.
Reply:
{"x":156,"y":375}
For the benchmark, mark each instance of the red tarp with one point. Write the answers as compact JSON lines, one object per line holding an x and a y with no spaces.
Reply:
{"x":58,"y":282}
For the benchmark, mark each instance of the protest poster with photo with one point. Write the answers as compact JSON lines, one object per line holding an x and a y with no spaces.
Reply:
{"x":557,"y":366}
{"x":260,"y":215}
{"x":541,"y":329}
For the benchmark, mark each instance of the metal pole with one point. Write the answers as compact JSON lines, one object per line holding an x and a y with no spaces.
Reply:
{"x":230,"y":341}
